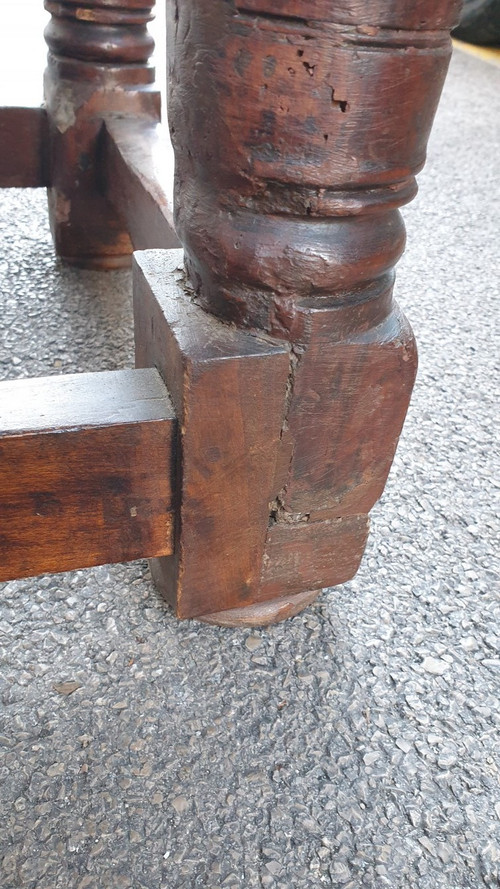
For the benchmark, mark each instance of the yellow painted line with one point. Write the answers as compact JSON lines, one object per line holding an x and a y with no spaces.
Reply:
{"x":487,"y":53}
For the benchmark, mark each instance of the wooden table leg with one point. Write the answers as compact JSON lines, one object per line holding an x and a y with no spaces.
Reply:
{"x":298,"y":128}
{"x":97,"y":67}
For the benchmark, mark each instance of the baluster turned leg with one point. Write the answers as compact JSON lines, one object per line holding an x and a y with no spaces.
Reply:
{"x":97,"y":66}
{"x":298,"y":128}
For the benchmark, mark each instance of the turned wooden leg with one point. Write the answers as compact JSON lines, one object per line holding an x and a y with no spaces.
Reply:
{"x":97,"y":67}
{"x":298,"y":128}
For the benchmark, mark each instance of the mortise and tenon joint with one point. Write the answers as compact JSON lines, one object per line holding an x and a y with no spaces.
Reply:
{"x":274,"y":368}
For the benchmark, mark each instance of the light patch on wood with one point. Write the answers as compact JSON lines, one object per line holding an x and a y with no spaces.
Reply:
{"x":85,"y":14}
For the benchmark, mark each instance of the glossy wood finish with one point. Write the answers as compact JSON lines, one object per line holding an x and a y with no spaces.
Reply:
{"x":109,"y":32}
{"x":23,"y":147}
{"x":85,"y":471}
{"x":97,"y":66}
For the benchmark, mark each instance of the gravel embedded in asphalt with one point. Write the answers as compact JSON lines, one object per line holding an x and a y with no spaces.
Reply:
{"x":356,"y":745}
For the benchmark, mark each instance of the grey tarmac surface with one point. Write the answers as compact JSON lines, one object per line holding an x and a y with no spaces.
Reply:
{"x":356,"y":745}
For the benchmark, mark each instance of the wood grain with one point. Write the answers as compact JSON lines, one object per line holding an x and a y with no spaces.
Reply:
{"x":424,"y":15}
{"x":85,"y":471}
{"x":311,"y":555}
{"x":298,"y":129}
{"x":138,"y":173}
{"x":298,"y":140}
{"x":228,"y":388}
{"x":97,"y":66}
{"x":351,"y":394}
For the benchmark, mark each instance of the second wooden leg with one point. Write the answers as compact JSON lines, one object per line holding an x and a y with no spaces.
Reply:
{"x":97,"y":66}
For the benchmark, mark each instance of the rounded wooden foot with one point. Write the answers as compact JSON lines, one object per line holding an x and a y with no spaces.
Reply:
{"x":262,"y":614}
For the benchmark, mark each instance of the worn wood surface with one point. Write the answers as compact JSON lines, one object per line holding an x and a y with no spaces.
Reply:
{"x":138,"y":175}
{"x":351,"y":392}
{"x":23,"y":147}
{"x":228,"y":388}
{"x":262,"y":613}
{"x":405,"y":14}
{"x":298,"y":129}
{"x":307,"y":556}
{"x":85,"y":471}
{"x":97,"y":66}
{"x":295,"y":143}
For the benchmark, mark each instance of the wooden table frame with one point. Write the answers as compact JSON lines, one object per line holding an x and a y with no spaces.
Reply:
{"x":274,"y":368}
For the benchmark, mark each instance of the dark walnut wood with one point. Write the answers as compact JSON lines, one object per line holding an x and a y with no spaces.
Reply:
{"x":228,"y":389}
{"x":85,"y":471}
{"x":97,"y":67}
{"x":138,"y":167}
{"x":298,"y":129}
{"x":23,"y":147}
